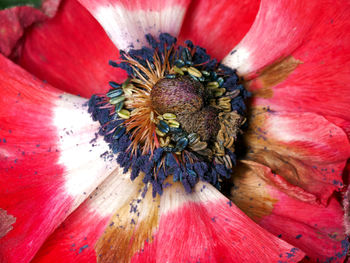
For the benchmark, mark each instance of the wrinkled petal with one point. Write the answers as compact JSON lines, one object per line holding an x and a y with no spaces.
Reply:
{"x":13,"y":22}
{"x":316,"y":230}
{"x":280,"y":27}
{"x":206,"y":227}
{"x":305,"y":149}
{"x":71,"y":52}
{"x":320,"y":82}
{"x":127,"y":22}
{"x":218,"y":26}
{"x":51,"y":159}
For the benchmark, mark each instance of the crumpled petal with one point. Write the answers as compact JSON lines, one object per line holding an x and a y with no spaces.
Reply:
{"x":127,"y":22}
{"x":320,"y":82}
{"x":218,"y":26}
{"x":51,"y":155}
{"x":71,"y":52}
{"x":13,"y":22}
{"x":305,"y":149}
{"x":315,"y":229}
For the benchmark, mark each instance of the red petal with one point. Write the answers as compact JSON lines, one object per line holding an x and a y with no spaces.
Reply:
{"x":304,"y":148}
{"x":316,"y":230}
{"x":218,"y":25}
{"x":210,"y":220}
{"x":280,"y":27}
{"x":206,"y":227}
{"x":321,"y":84}
{"x":71,"y":52}
{"x":13,"y":22}
{"x":50,"y":159}
{"x":127,"y":22}
{"x":76,"y":239}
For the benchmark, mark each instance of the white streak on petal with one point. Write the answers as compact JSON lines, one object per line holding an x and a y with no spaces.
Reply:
{"x":279,"y":28}
{"x":287,"y":130}
{"x":175,"y":196}
{"x":239,"y":59}
{"x":113,"y":193}
{"x":127,"y":28}
{"x":84,"y":154}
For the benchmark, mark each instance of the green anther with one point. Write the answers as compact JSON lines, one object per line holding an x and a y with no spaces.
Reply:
{"x":205,"y":73}
{"x":119,"y":106}
{"x":126,"y":83}
{"x":124,"y":114}
{"x":178,"y":70}
{"x":158,"y":132}
{"x":169,"y":116}
{"x":174,"y":124}
{"x":164,"y":142}
{"x":116,"y":100}
{"x":194,"y":72}
{"x":219,"y":92}
{"x":213,"y":85}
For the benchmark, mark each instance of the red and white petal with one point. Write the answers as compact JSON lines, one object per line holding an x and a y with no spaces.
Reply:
{"x":304,"y":148}
{"x":71,"y":52}
{"x":205,"y":226}
{"x":127,"y":22}
{"x":280,"y":27}
{"x":321,"y":83}
{"x":122,"y":225}
{"x":51,"y":159}
{"x":315,"y":229}
{"x":218,"y":26}
{"x":112,"y":224}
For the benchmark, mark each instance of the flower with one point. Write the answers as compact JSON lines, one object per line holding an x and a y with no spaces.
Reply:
{"x":62,"y":196}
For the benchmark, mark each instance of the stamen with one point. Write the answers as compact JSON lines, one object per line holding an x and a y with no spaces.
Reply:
{"x":178,"y":114}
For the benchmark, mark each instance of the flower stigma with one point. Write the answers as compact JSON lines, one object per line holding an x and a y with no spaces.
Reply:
{"x":178,"y":114}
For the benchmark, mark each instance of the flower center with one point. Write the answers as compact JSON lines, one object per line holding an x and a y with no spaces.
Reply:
{"x":177,"y":115}
{"x":187,"y":100}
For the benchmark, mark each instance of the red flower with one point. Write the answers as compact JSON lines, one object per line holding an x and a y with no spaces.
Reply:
{"x":62,"y":197}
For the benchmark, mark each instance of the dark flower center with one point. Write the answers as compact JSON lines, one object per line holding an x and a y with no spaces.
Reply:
{"x":177,"y":115}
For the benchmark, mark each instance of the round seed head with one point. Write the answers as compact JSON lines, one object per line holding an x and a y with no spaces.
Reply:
{"x":179,"y":95}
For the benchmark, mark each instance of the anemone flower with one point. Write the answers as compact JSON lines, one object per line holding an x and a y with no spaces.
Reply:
{"x":136,"y":165}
